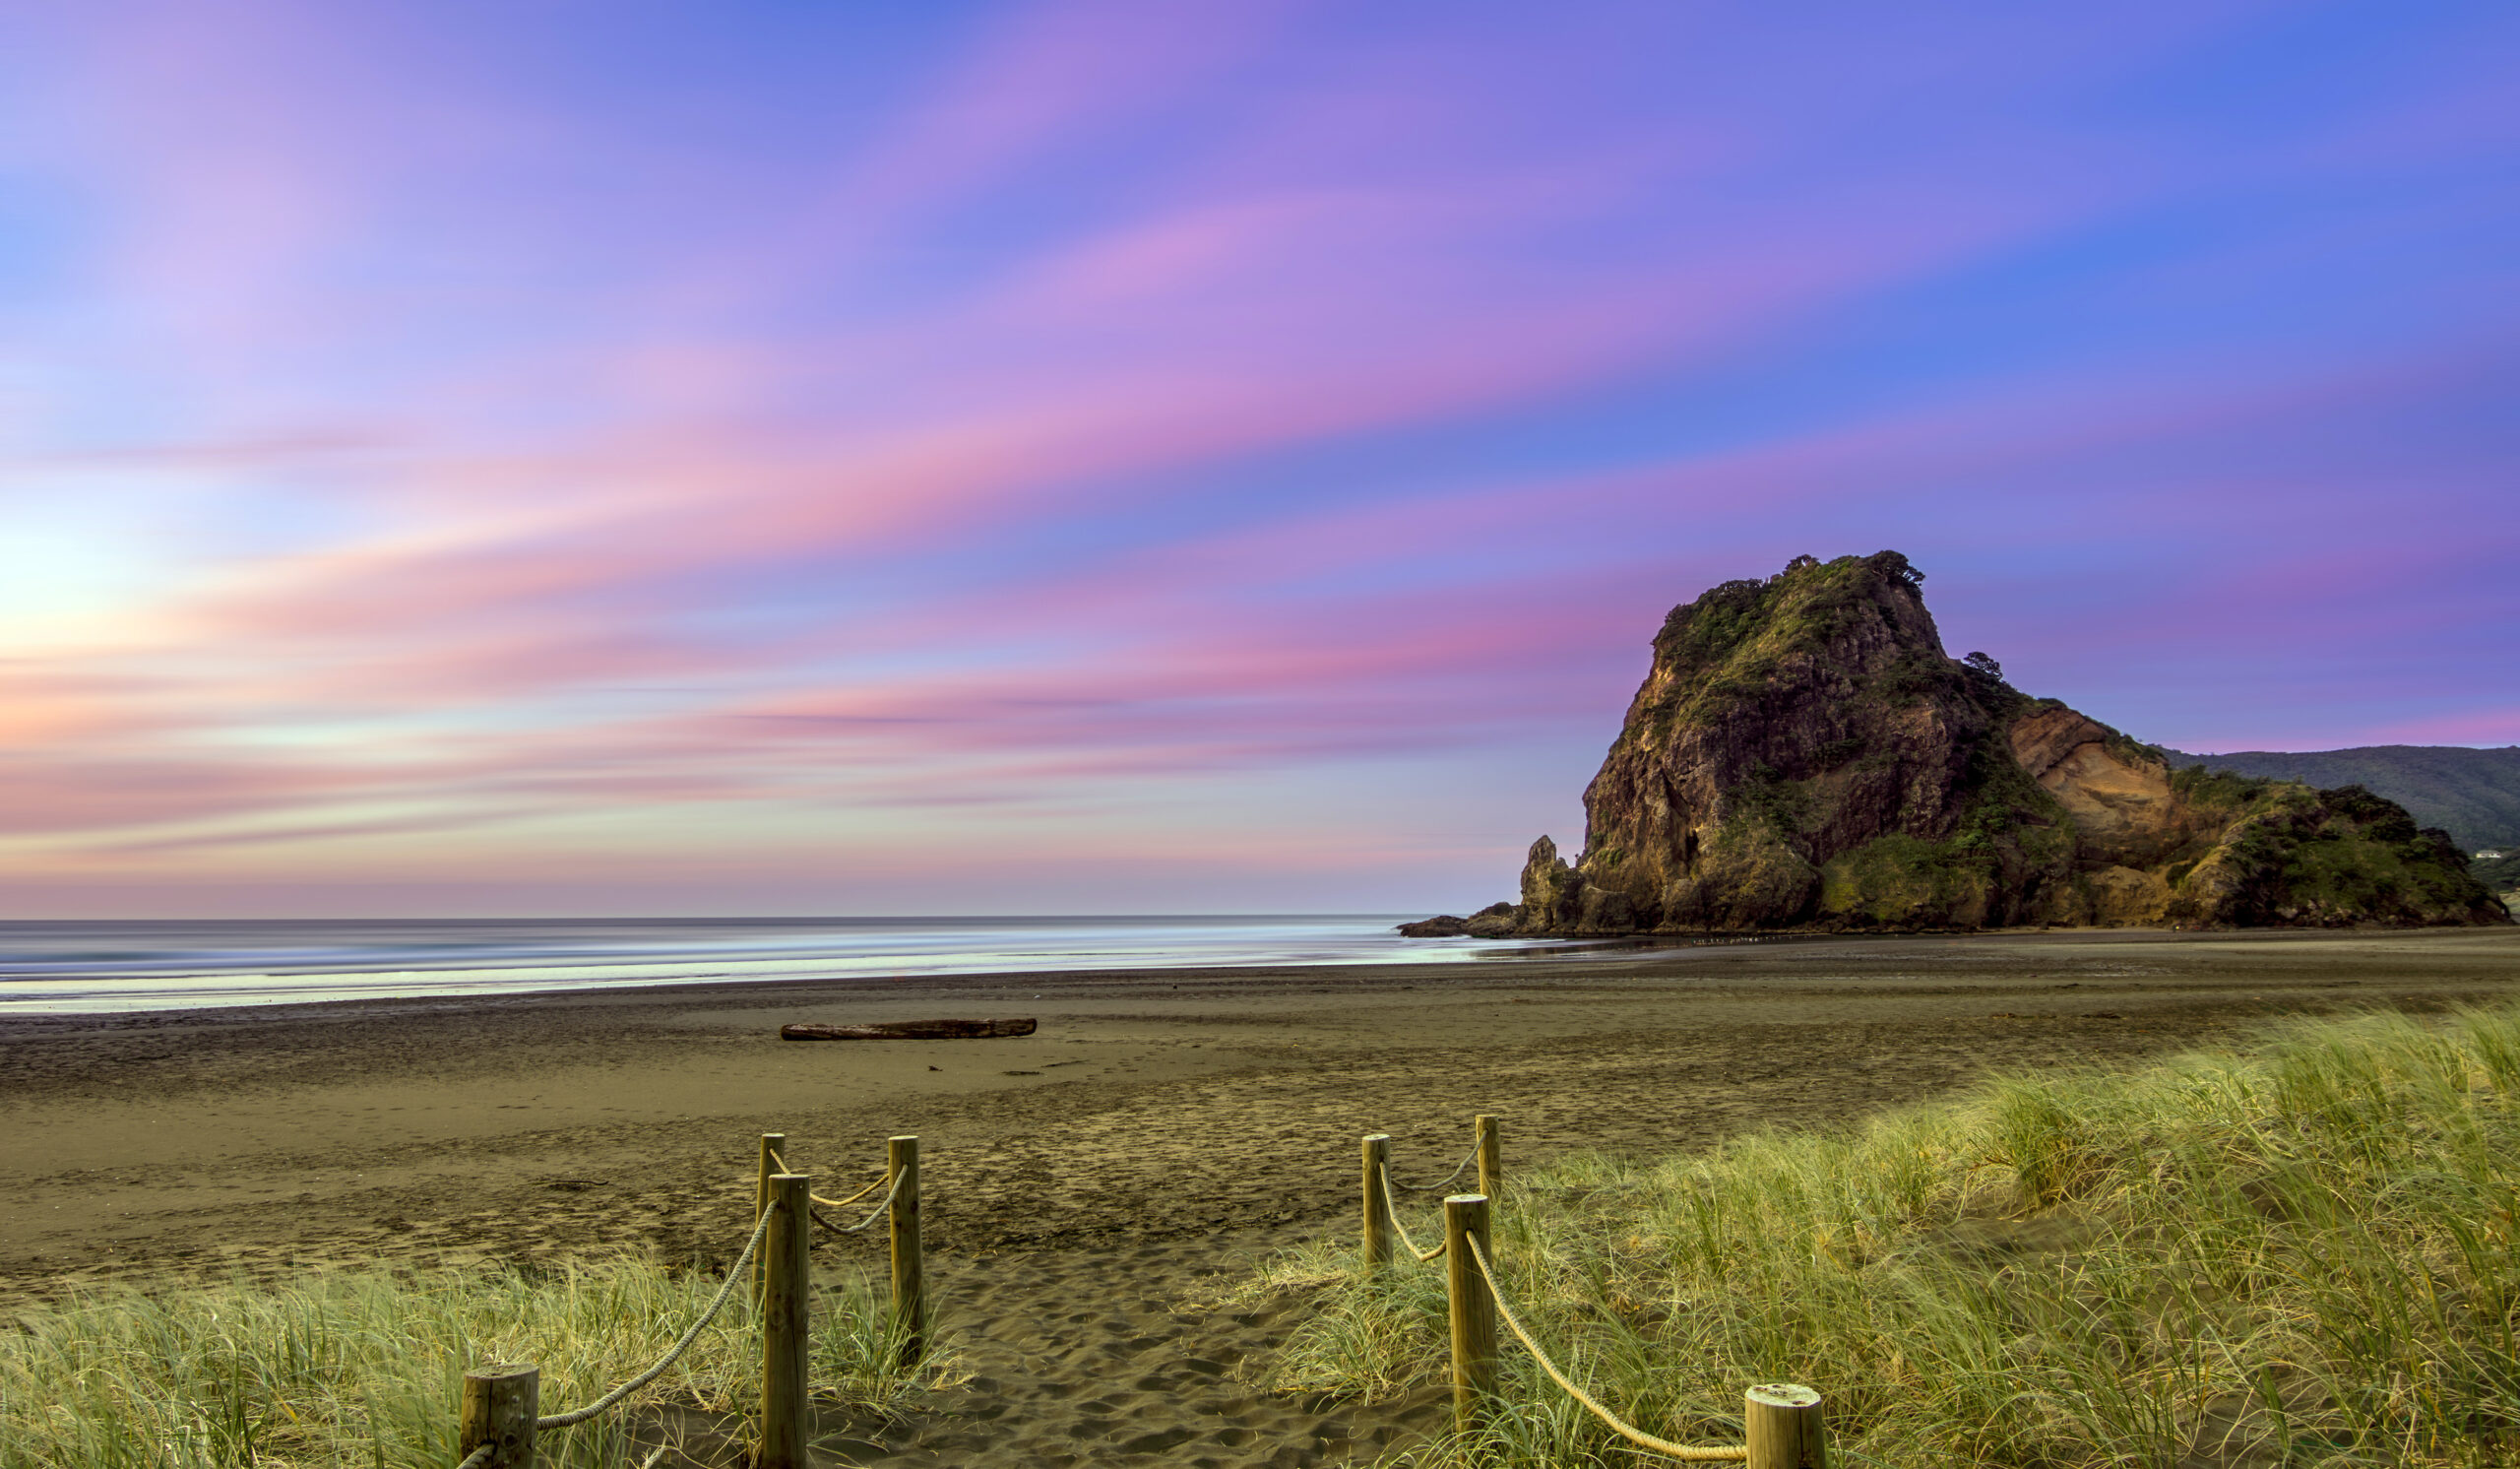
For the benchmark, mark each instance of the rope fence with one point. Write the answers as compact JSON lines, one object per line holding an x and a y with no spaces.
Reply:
{"x":500,"y":1408}
{"x":1782,"y":1421}
{"x":1688,"y":1453}
{"x":881,"y":1209}
{"x":673,"y":1354}
{"x":779,"y":1165}
{"x":502,"y":1417}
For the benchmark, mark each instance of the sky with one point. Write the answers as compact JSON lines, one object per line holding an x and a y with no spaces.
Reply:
{"x":886,"y":458}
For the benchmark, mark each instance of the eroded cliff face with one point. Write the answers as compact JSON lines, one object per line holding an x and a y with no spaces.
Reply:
{"x":2127,"y":820}
{"x":1803,"y":753}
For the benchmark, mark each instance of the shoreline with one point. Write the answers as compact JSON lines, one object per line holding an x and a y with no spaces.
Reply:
{"x":673,"y":990}
{"x":211,"y":1111}
{"x":37,"y":1022}
{"x":130,"y":966}
{"x":1612,"y":954}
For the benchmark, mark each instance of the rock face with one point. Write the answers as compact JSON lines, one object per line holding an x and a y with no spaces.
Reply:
{"x":1805,"y":754}
{"x":1495,"y":920}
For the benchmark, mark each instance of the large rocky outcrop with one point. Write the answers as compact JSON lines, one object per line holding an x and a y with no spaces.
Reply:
{"x":1803,"y":753}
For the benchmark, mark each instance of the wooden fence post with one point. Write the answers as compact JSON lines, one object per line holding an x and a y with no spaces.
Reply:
{"x":773,"y":1146}
{"x":1377,"y":1209}
{"x":1783,"y":1420}
{"x":500,"y":1404}
{"x":1491,"y":1156}
{"x":1474,"y":1309}
{"x":785,"y":1326}
{"x":909,"y":1263}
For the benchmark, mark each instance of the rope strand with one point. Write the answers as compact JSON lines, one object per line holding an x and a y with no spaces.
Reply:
{"x":1688,"y":1453}
{"x":674,"y":1352}
{"x":735,"y":1272}
{"x":1442,"y":1181}
{"x":881,"y":1208}
{"x":1390,"y":1211}
{"x":843,"y":1203}
{"x":830,"y":1203}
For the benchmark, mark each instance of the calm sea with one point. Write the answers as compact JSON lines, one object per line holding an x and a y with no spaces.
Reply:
{"x":184,"y":965}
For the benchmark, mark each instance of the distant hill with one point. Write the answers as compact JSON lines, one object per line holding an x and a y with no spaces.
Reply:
{"x":2473,"y":795}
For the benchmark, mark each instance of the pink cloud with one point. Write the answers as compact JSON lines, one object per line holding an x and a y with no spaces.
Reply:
{"x":66,"y":795}
{"x":673,"y":507}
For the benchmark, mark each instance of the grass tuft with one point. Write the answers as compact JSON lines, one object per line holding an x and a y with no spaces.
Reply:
{"x":2301,"y":1255}
{"x":344,"y":1368}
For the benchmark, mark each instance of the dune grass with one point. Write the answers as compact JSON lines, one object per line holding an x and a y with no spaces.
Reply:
{"x":2303,"y":1253}
{"x":367,"y":1370}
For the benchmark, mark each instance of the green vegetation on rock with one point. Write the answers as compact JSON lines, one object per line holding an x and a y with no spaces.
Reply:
{"x":2500,"y":873}
{"x":1903,"y":881}
{"x":2474,"y":795}
{"x":2330,"y":857}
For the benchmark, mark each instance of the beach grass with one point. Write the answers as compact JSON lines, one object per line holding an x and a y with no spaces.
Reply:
{"x":347,"y":1368}
{"x":2300,"y":1253}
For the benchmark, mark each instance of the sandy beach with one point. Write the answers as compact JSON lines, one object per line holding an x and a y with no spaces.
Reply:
{"x":1090,"y":1188}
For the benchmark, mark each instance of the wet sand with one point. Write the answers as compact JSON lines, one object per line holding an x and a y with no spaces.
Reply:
{"x":1087,"y":1187}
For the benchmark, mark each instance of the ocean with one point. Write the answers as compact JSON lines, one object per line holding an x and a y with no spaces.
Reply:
{"x":162,"y":965}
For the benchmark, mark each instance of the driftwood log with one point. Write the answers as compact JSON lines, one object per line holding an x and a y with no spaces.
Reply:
{"x":911,"y":1030}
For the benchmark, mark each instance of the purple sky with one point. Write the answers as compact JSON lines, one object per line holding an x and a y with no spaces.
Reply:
{"x":883,"y":458}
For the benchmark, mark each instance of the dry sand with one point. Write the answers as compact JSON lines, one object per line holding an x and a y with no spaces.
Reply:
{"x":1086,"y":1187}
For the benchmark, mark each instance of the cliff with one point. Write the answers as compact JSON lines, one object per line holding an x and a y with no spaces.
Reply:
{"x":1803,"y":753}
